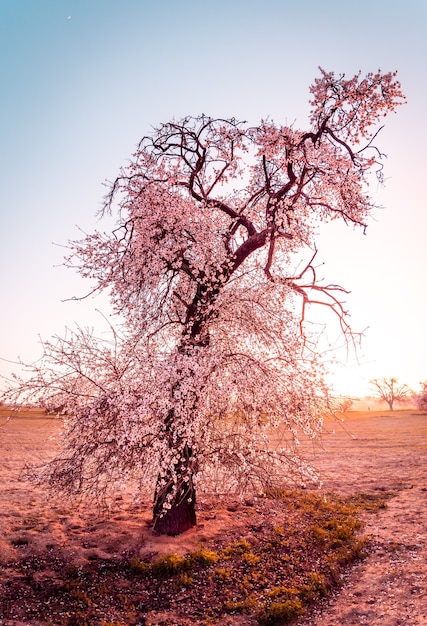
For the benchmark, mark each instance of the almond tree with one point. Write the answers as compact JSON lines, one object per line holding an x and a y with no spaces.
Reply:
{"x":211,"y":374}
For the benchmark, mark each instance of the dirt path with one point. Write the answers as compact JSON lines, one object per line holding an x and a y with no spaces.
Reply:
{"x":389,"y":587}
{"x":385,"y":453}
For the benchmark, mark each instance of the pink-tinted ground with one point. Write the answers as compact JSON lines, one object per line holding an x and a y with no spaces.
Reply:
{"x":370,"y":452}
{"x":374,"y":452}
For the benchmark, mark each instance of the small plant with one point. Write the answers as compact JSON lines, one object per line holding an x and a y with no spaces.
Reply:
{"x":170,"y":565}
{"x":314,"y":588}
{"x":242,"y":606}
{"x":283,"y":592}
{"x":370,"y":502}
{"x":250,"y":558}
{"x":204,"y":557}
{"x":280,"y":612}
{"x":80,"y":596}
{"x":139,"y":568}
{"x":317,"y":583}
{"x":184,"y":580}
{"x":238,"y":547}
{"x":223,"y":573}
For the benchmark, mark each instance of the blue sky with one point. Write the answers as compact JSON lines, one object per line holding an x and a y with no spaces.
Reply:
{"x":83,"y":80}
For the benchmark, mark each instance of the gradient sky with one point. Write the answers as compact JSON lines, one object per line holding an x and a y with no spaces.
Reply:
{"x":83,"y":80}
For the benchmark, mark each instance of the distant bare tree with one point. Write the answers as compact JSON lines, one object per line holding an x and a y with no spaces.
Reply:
{"x":390,"y":391}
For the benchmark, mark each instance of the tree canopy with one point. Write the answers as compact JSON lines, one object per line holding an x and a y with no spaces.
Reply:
{"x":210,"y":374}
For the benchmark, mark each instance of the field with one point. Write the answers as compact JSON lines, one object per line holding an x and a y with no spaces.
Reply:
{"x":52,"y":553}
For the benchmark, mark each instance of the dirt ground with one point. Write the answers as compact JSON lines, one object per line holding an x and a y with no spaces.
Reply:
{"x":374,"y":452}
{"x":370,"y":452}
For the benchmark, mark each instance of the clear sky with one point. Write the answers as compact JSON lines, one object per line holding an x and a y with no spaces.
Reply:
{"x":83,"y":80}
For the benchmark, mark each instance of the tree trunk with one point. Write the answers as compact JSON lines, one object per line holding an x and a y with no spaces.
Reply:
{"x":176,"y":489}
{"x":179,"y":514}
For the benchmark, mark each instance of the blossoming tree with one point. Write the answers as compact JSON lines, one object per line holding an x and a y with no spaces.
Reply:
{"x":210,"y":373}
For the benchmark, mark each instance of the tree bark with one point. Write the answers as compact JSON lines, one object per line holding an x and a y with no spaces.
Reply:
{"x":176,"y":490}
{"x":179,"y":514}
